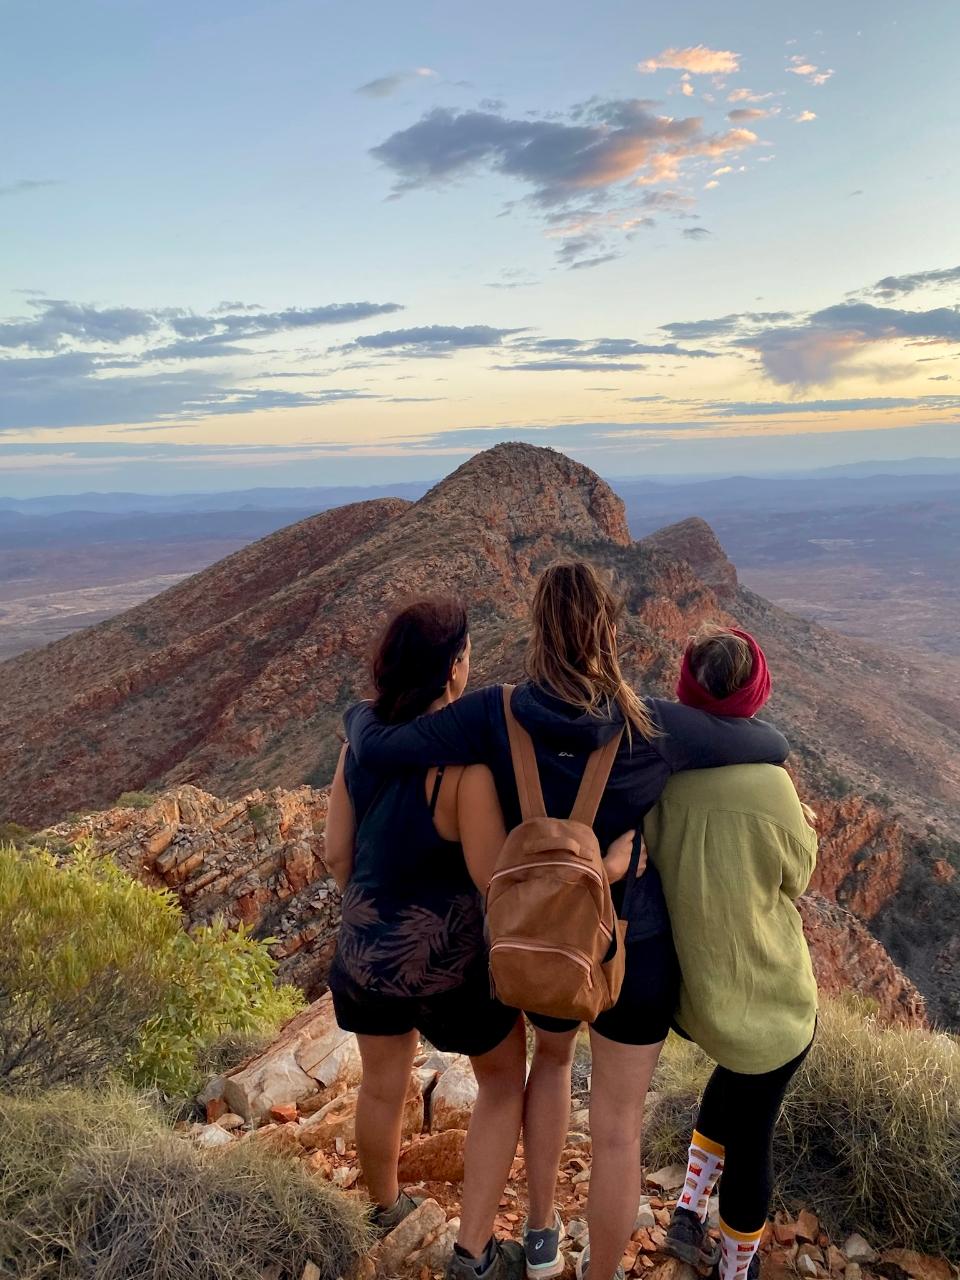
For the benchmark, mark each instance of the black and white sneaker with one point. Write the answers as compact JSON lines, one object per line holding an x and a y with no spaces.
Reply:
{"x":385,"y":1219}
{"x":505,"y":1263}
{"x":542,"y":1250}
{"x":689,"y":1240}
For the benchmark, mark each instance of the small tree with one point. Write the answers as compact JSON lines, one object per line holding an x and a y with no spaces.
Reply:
{"x":97,"y":975}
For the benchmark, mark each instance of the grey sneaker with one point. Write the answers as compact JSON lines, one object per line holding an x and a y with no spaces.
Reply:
{"x":689,"y":1240}
{"x":384,"y":1220}
{"x":507,"y":1264}
{"x":542,"y":1250}
{"x":583,"y":1267}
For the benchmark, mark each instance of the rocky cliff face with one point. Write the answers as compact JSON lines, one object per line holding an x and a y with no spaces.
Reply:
{"x":257,"y":861}
{"x":236,"y":679}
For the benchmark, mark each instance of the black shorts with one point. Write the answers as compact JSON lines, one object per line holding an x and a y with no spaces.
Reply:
{"x":648,"y":997}
{"x":466,"y":1019}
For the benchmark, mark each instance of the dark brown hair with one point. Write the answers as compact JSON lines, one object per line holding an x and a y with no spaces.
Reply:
{"x":573,"y":648}
{"x":721,"y":661}
{"x":415,"y":656}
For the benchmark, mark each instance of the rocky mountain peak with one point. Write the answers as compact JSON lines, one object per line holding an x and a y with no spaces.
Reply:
{"x":695,"y":542}
{"x":524,"y":491}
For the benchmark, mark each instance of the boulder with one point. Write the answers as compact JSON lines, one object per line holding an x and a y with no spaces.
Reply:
{"x":669,"y":1178}
{"x":856,"y":1249}
{"x":808,"y":1227}
{"x":896,"y":1263}
{"x":453,"y":1097}
{"x":435,"y":1250}
{"x":437,"y":1158}
{"x":338,"y":1120}
{"x":310,"y":1053}
{"x":393,"y":1251}
{"x":211,"y":1135}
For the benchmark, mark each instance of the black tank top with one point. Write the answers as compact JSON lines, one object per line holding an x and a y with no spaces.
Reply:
{"x":412,"y":918}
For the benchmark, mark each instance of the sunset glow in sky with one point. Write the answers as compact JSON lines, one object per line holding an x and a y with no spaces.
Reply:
{"x":268,"y":242}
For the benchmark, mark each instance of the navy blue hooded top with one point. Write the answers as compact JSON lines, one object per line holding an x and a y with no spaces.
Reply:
{"x":473,"y":730}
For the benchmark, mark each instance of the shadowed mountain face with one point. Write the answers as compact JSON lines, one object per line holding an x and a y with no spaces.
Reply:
{"x":236,"y":678}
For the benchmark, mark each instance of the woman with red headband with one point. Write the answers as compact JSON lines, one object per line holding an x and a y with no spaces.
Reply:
{"x":734,"y":850}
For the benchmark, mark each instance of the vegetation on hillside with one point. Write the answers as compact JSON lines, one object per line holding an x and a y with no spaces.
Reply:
{"x":96,"y":1185}
{"x":870,"y":1135}
{"x":97,"y":975}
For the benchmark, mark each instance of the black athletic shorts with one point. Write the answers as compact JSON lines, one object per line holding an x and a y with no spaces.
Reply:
{"x":466,"y":1019}
{"x":648,"y":997}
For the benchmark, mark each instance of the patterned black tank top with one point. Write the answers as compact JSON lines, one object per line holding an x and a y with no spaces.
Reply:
{"x":412,"y":918}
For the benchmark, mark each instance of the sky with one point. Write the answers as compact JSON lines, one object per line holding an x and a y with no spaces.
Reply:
{"x":268,"y":242}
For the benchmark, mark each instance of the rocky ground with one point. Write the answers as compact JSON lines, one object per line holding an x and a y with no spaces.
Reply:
{"x":300,"y":1097}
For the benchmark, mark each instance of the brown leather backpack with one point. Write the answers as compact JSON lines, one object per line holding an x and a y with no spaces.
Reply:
{"x":556,"y":945}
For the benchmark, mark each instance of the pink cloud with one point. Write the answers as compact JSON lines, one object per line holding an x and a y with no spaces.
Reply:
{"x":801,"y":67}
{"x":697,"y":59}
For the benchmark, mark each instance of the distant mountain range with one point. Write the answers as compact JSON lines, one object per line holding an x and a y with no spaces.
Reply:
{"x":237,"y":677}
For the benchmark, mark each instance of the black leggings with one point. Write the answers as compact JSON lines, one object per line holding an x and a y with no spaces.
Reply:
{"x":740,"y":1112}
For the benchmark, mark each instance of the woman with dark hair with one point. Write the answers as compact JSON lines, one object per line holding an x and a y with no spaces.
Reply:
{"x":575,"y":700}
{"x":411,"y":958}
{"x":735,"y":848}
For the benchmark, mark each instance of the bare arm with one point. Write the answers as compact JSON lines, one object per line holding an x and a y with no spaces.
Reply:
{"x":480,"y":820}
{"x":341,"y":828}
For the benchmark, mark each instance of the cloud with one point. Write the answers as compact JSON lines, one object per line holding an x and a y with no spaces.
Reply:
{"x":696,"y":59}
{"x":747,"y":95}
{"x":741,"y":115}
{"x":432,"y":339}
{"x":70,"y":390}
{"x":897,"y":286}
{"x":695,"y":233}
{"x":686,"y":88}
{"x":572,"y":366}
{"x":774,"y":408}
{"x":56,"y":324}
{"x":605,"y":143}
{"x":384,"y":86}
{"x":798,"y":66}
{"x":829,"y":342}
{"x":724,"y":326}
{"x":23,"y":185}
{"x":804,"y":117}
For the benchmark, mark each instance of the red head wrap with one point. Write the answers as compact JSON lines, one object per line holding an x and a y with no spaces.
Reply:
{"x":742,"y":702}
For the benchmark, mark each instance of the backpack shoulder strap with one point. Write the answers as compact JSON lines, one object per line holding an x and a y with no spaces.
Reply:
{"x":595,"y":777}
{"x":524,"y":763}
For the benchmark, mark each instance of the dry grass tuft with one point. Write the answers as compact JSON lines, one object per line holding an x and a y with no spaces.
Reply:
{"x":96,"y":1188}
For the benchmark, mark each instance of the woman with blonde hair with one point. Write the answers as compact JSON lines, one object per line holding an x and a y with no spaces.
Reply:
{"x":575,"y":700}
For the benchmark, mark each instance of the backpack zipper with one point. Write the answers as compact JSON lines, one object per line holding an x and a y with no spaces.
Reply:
{"x":575,"y":956}
{"x":534,"y":866}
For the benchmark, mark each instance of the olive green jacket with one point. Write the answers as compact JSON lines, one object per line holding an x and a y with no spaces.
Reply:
{"x":734,"y":850}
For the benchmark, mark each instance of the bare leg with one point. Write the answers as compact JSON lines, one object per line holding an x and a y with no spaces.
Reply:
{"x":492,"y":1137}
{"x":546,"y":1120}
{"x":621,"y":1077}
{"x":387,"y":1063}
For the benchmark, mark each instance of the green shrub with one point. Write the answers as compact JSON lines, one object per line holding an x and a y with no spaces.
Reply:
{"x":97,"y":975}
{"x":870,"y":1134}
{"x":136,"y":799}
{"x":95,"y":1186}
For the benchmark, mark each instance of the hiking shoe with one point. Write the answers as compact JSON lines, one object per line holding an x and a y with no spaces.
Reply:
{"x":689,"y":1240}
{"x":583,"y":1267}
{"x":507,"y":1264}
{"x":542,"y":1249}
{"x":384,"y":1220}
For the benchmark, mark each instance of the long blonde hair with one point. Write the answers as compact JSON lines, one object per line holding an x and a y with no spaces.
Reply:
{"x":573,"y":645}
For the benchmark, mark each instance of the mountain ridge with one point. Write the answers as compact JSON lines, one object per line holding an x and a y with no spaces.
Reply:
{"x":236,"y":678}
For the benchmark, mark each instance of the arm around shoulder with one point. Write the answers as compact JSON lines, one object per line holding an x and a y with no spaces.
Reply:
{"x":459,"y":734}
{"x":693,"y":739}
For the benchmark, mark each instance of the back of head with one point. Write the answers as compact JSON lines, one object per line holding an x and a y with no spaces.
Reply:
{"x":724,"y":671}
{"x":721,"y":660}
{"x":573,"y":646}
{"x":415,"y":656}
